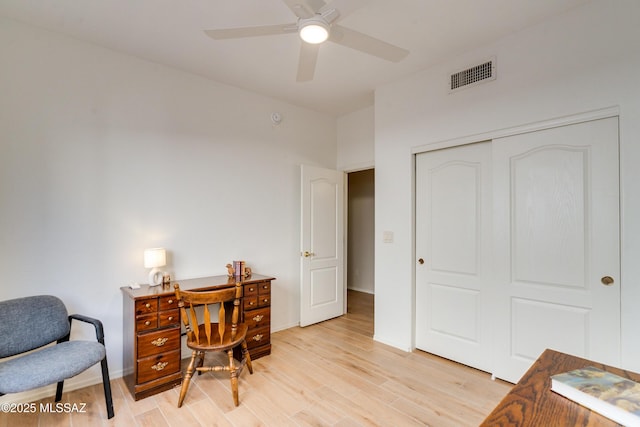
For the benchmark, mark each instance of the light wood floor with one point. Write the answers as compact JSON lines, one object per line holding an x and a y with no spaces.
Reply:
{"x":330,"y":374}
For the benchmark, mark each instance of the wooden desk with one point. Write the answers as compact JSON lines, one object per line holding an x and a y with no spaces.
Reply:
{"x":532,"y":403}
{"x":152,"y":329}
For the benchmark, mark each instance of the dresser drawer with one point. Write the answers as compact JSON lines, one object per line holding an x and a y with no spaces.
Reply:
{"x":258,"y":337}
{"x":168,"y":303}
{"x":264,"y":300}
{"x":249,"y":303}
{"x":146,"y":322}
{"x":158,"y":342}
{"x":264,"y":288}
{"x":250,"y":290}
{"x":158,"y":366}
{"x":255,"y":319}
{"x":167,"y":318}
{"x":146,"y":306}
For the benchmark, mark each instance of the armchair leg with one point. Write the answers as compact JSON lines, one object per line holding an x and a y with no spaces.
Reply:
{"x":59,"y":390}
{"x":106,"y":383}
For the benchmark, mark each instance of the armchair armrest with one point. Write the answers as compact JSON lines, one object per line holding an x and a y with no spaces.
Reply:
{"x":95,"y":322}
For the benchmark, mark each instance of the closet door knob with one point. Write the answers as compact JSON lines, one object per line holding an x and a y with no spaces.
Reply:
{"x":607,"y":280}
{"x":420,"y":261}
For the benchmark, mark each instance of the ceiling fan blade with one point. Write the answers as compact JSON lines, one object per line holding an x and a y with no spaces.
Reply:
{"x":367,"y":44}
{"x":307,"y":61}
{"x":345,"y":7}
{"x":304,"y":8}
{"x":240,"y":32}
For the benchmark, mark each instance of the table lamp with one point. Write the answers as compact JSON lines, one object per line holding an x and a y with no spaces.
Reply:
{"x":154,"y":258}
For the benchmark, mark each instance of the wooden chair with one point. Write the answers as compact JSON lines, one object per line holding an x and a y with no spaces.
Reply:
{"x":27,"y":326}
{"x":207,"y":336}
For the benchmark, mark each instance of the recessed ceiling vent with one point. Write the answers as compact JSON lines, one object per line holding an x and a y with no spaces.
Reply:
{"x":472,"y":76}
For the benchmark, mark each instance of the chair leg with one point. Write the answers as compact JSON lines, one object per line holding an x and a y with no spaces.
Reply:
{"x":106,"y":384}
{"x":200,"y":363}
{"x":59,"y":390}
{"x":234,"y":377}
{"x":187,"y":378}
{"x":247,"y":356}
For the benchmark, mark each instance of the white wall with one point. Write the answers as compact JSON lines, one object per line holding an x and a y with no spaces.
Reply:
{"x":355,"y":133}
{"x":585,"y":60}
{"x":103,"y":155}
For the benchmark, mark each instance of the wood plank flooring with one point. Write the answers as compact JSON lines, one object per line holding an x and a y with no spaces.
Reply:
{"x":329,"y":374}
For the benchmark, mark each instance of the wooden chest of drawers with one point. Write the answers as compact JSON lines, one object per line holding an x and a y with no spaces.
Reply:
{"x":152,"y":329}
{"x":256,"y":304}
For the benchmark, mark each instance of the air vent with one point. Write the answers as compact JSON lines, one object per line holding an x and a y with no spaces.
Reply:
{"x":472,"y":76}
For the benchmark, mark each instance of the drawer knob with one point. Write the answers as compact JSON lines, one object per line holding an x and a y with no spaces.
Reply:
{"x":257,"y":337}
{"x":147,"y":323}
{"x":159,"y":342}
{"x":251,"y":289}
{"x":170,"y":318}
{"x":251,"y":303}
{"x":258,"y":318}
{"x":265,"y":300}
{"x":147,"y":305}
{"x":265,"y":287}
{"x":159,"y":366}
{"x":170,"y":301}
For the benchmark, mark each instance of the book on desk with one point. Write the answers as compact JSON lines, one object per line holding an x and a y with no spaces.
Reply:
{"x":608,"y":394}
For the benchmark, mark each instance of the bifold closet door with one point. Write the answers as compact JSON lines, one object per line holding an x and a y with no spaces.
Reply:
{"x":453,"y":247}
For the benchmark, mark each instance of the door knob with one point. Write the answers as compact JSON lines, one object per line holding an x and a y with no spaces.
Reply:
{"x":307,"y":254}
{"x":607,"y":280}
{"x":420,"y":261}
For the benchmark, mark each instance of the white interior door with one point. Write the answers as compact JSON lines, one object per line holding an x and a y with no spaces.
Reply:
{"x":557,"y":239}
{"x":453,"y":247}
{"x":322,"y":292}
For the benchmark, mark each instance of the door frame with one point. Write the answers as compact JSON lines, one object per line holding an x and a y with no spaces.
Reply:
{"x":346,"y":171}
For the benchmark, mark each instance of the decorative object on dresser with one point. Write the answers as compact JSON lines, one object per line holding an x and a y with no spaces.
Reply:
{"x":154,"y":258}
{"x":206,"y":336}
{"x":230,"y":270}
{"x":151,"y":329}
{"x":238,"y":269}
{"x":31,"y":323}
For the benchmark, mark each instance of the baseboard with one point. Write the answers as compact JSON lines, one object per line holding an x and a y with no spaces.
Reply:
{"x":283,"y":327}
{"x":392,"y":344}
{"x":71,"y":384}
{"x":366,"y":291}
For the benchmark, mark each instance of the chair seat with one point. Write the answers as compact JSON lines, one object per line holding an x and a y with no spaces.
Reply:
{"x":49,"y":365}
{"x":216,"y":345}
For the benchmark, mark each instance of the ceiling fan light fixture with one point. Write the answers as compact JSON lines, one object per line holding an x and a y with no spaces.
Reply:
{"x":314,"y":30}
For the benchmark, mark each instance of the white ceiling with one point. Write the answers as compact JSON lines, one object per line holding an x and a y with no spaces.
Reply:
{"x":170,"y":32}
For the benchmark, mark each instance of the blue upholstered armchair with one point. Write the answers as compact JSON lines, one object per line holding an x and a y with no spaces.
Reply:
{"x":30,"y":323}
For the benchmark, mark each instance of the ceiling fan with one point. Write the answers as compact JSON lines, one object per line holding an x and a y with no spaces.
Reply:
{"x":316,"y":23}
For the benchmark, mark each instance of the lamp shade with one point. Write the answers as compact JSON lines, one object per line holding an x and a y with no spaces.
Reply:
{"x":155,"y":257}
